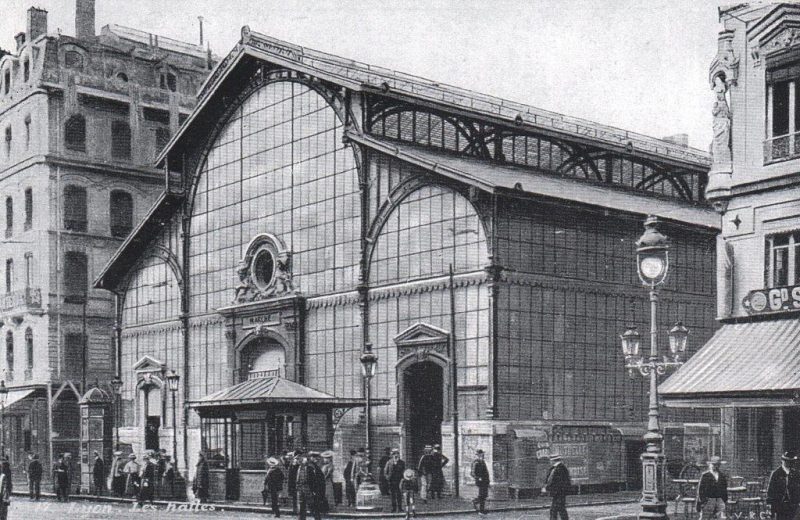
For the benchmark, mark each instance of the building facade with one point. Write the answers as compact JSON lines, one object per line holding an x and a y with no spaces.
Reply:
{"x":82,"y":119}
{"x":749,"y":369}
{"x":318,"y":205}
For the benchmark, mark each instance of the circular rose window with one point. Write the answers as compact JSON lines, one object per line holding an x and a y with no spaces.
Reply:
{"x":263,"y":268}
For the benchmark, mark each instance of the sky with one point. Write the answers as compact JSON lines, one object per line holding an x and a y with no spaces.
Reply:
{"x":638,"y":65}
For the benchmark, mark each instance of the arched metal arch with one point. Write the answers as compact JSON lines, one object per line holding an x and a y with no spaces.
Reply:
{"x":396,"y":197}
{"x":165,"y":255}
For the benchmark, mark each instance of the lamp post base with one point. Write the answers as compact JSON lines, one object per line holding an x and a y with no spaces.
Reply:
{"x":654,"y":506}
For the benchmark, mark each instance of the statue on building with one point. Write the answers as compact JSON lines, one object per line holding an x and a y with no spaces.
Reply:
{"x":721,"y":144}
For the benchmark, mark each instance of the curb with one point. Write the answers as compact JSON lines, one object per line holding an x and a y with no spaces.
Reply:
{"x":252,"y":508}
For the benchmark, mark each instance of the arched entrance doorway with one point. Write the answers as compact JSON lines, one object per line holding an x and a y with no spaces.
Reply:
{"x":262,"y":357}
{"x":424,"y":399}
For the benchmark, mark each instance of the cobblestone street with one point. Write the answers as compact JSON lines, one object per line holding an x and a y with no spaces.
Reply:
{"x":52,"y":510}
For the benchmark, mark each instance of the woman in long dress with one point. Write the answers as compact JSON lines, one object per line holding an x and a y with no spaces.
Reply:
{"x":132,"y":476}
{"x":327,"y":471}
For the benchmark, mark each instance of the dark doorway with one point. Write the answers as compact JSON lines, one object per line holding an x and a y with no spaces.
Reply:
{"x":151,"y":428}
{"x":424,"y":399}
{"x":791,"y":429}
{"x":633,"y":463}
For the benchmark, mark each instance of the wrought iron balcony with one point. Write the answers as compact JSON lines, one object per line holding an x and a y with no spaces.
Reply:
{"x":25,"y":299}
{"x":243,"y":374}
{"x":782,"y":147}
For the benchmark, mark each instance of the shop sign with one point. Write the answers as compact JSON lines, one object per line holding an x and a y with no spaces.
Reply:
{"x":776,"y":299}
{"x":575,"y":456}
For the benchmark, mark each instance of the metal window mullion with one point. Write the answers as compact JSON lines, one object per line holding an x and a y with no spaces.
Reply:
{"x":790,"y":260}
{"x":792,"y":103}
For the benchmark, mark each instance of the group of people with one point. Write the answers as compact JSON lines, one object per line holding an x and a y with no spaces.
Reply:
{"x":154,"y":476}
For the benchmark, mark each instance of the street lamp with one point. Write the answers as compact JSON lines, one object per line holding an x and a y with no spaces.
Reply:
{"x":116,"y":387}
{"x":652,"y":262}
{"x":3,"y":395}
{"x":172,"y":382}
{"x":369,"y":362}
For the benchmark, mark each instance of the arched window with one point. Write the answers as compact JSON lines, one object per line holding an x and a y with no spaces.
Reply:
{"x":75,"y":133}
{"x":9,"y":216}
{"x":121,"y":213}
{"x":8,"y":141}
{"x":75,"y":208}
{"x":9,"y":275}
{"x":28,"y":208}
{"x":26,"y":70}
{"x":6,"y":81}
{"x":120,"y":140}
{"x":10,"y":351}
{"x":29,"y":348}
{"x":27,"y":131}
{"x":76,"y":284}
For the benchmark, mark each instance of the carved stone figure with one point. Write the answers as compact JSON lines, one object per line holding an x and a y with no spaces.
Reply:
{"x":721,"y":144}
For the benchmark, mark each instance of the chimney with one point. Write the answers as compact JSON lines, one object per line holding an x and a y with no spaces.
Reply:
{"x":37,"y":23}
{"x":20,"y":37}
{"x":84,"y":19}
{"x":679,"y":139}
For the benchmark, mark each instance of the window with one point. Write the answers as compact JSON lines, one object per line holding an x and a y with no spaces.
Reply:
{"x":73,"y":60}
{"x":29,"y":348}
{"x":27,"y":131}
{"x":75,"y":133}
{"x":28,"y":208}
{"x":9,"y":275}
{"x":10,"y":351}
{"x":121,"y":212}
{"x":782,"y":259}
{"x":162,"y":138}
{"x":9,"y":216}
{"x":73,"y":354}
{"x":169,"y":81}
{"x":8,"y":141}
{"x":28,"y":269}
{"x":121,"y":76}
{"x":120,"y":140}
{"x":26,"y":70}
{"x":6,"y":81}
{"x":783,"y":113}
{"x":76,"y":278}
{"x":75,"y":208}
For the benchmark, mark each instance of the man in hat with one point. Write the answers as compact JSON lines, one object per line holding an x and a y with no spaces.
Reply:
{"x":349,"y":479}
{"x":307,"y":486}
{"x":425,"y":470}
{"x":148,"y":480}
{"x":480,"y":473}
{"x":783,"y":491}
{"x":202,"y":478}
{"x":557,"y":485}
{"x":98,"y":473}
{"x":394,"y":474}
{"x":382,"y":482}
{"x":438,"y":462}
{"x":273,"y":484}
{"x":60,"y":479}
{"x":712,"y":491}
{"x":131,"y":476}
{"x":118,"y":474}
{"x":292,"y":479}
{"x":34,"y":476}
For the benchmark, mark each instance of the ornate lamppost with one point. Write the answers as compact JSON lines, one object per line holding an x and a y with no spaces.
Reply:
{"x":652,"y":260}
{"x":172,"y":382}
{"x":369,"y":362}
{"x":116,"y":387}
{"x":3,"y":395}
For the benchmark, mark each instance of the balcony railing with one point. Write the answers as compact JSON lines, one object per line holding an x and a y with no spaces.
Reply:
{"x":29,"y":297}
{"x":782,"y":147}
{"x":244,"y":374}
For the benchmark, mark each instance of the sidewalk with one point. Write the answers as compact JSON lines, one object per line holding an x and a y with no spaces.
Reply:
{"x":445,"y":506}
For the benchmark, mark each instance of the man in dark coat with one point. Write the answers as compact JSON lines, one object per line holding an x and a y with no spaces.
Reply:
{"x":382,"y":482}
{"x":349,"y":479}
{"x":557,"y":485}
{"x":783,"y":491}
{"x":292,"y":479}
{"x":273,"y":484}
{"x":201,"y":479}
{"x":438,"y":461}
{"x":394,"y":474}
{"x":35,"y":477}
{"x":148,"y":481}
{"x":480,"y":473}
{"x":61,"y":479}
{"x":712,"y":491}
{"x":98,"y":474}
{"x":425,"y":472}
{"x":307,"y":485}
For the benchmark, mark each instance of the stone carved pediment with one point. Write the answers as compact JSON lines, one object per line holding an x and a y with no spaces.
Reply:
{"x":265,"y":271}
{"x":776,"y":32}
{"x":725,"y":63}
{"x":148,"y":364}
{"x":422,"y":339}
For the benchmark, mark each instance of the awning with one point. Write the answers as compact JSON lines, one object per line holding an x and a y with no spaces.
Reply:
{"x":276,"y":391}
{"x":744,"y":364}
{"x":16,"y":395}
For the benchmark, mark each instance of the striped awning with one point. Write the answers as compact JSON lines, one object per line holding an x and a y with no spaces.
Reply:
{"x":743,"y":364}
{"x":275,"y":391}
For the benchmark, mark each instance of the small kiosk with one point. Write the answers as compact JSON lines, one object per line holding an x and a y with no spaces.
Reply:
{"x":96,"y":434}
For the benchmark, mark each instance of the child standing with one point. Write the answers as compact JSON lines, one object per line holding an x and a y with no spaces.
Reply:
{"x":409,"y":487}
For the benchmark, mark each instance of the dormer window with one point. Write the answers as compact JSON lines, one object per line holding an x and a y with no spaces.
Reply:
{"x":169,"y":81}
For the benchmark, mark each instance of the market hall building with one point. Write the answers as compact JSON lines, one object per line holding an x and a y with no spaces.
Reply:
{"x":749,"y":370}
{"x":314,"y":205}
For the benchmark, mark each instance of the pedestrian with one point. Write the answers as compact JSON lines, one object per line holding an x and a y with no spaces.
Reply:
{"x":147,"y":479}
{"x":168,"y":478}
{"x":292,"y":479}
{"x":117,"y":474}
{"x":273,"y":485}
{"x":349,"y":479}
{"x":409,"y":487}
{"x":201,"y":479}
{"x":783,"y":491}
{"x":131,"y":471}
{"x":98,"y":474}
{"x":557,"y":485}
{"x":338,"y":485}
{"x":712,"y":491}
{"x":70,"y":469}
{"x":5,"y":489}
{"x":438,"y":462}
{"x":480,"y":474}
{"x":327,"y":474}
{"x":161,"y":467}
{"x":307,"y":486}
{"x":34,"y":477}
{"x":425,"y":471}
{"x":60,"y":479}
{"x":383,"y":484}
{"x":394,"y":470}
